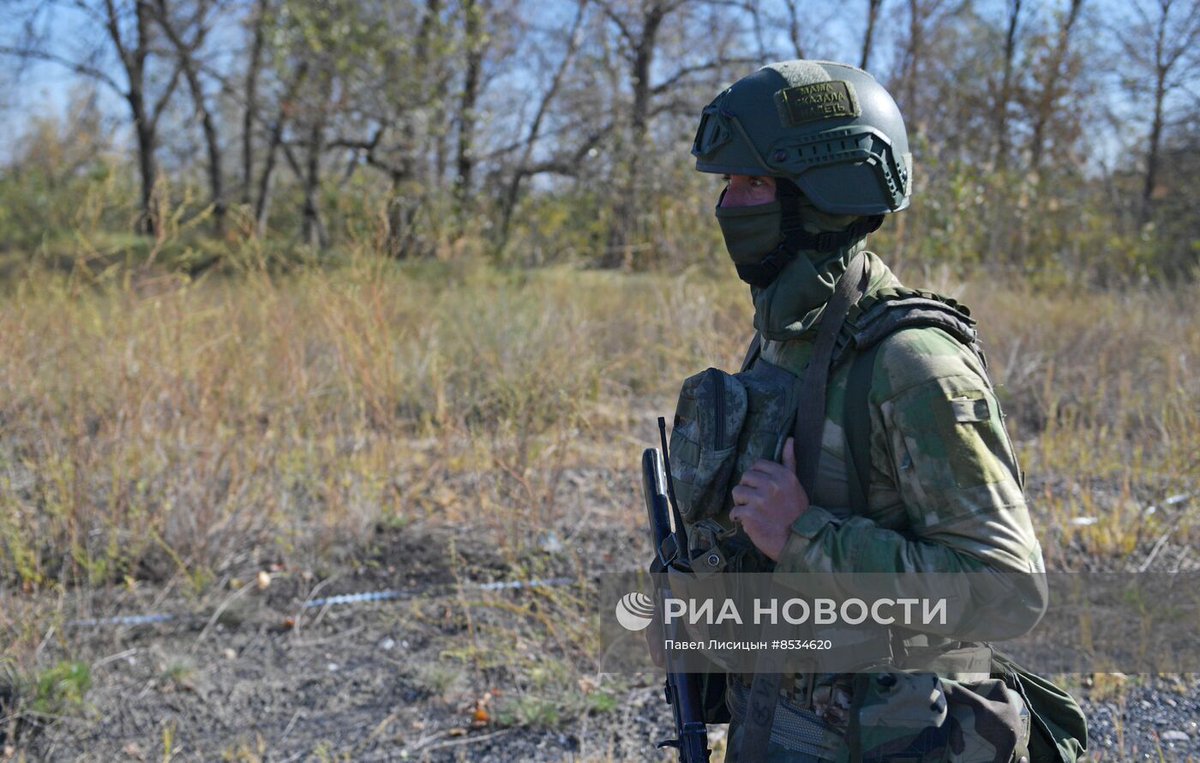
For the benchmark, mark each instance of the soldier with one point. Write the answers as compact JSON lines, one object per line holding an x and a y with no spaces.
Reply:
{"x":906,"y":467}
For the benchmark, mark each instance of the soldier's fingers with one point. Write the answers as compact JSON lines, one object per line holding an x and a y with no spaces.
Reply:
{"x":742,"y":495}
{"x":769,"y":469}
{"x":753,"y":479}
{"x":746,"y":516}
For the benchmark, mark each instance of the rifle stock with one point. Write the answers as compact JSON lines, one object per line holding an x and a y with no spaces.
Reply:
{"x":683,"y":690}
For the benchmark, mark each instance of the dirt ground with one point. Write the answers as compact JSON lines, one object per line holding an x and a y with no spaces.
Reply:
{"x":269,"y":673}
{"x":441,"y":672}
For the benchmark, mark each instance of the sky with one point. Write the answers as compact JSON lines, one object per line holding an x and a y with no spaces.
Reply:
{"x":44,"y":90}
{"x":35,"y":88}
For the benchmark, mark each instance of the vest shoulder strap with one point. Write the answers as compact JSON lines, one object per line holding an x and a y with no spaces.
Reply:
{"x":752,"y":352}
{"x":872,"y":320}
{"x":886,"y":311}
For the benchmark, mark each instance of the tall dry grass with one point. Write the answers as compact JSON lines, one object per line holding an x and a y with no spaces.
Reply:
{"x":193,"y":430}
{"x":149,"y":428}
{"x":162,"y":427}
{"x":1103,"y":396}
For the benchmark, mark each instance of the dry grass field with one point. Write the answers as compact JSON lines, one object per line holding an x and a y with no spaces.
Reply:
{"x":165,"y":440}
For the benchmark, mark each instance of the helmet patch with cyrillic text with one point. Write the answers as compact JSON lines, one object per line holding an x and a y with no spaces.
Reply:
{"x":820,"y":100}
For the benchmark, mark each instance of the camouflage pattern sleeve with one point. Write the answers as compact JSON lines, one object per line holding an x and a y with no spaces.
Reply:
{"x":945,"y":491}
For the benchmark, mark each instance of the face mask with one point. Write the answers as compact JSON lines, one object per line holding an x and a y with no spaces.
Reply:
{"x":752,"y":236}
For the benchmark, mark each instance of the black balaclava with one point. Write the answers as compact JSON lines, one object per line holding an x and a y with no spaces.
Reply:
{"x":762,"y":239}
{"x":791,"y":254}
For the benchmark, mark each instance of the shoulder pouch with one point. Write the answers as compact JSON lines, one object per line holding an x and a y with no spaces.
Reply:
{"x":704,"y":438}
{"x":723,"y":424}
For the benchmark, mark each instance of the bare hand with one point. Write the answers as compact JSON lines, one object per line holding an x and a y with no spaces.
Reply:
{"x":768,"y":499}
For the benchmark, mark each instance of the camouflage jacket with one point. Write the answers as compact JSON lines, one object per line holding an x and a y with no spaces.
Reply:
{"x":945,"y":492}
{"x":945,"y":487}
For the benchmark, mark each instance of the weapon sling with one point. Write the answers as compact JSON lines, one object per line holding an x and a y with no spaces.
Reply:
{"x":810,"y":420}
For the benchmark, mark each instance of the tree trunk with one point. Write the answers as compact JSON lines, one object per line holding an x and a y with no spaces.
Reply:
{"x":216,"y":177}
{"x":1049,"y":91}
{"x":1005,"y":94}
{"x":187,"y":62}
{"x":262,"y":207}
{"x":144,"y":124}
{"x":251,"y":106}
{"x":312,"y":229}
{"x":912,"y":59}
{"x":873,"y":7}
{"x":1163,"y":60}
{"x":629,"y":208}
{"x":148,"y":221}
{"x":1152,"y":151}
{"x":266,"y":185}
{"x":400,"y":216}
{"x":794,"y":29}
{"x":465,"y":159}
{"x":512,"y":191}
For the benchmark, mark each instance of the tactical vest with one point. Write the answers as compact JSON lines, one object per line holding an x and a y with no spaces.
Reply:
{"x":724,"y":422}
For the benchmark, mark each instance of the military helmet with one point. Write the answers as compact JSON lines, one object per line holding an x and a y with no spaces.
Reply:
{"x":829,"y":128}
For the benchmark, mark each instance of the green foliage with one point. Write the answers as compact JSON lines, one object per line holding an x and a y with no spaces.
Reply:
{"x":557,"y":228}
{"x":65,"y":181}
{"x":67,"y":203}
{"x":971,"y":221}
{"x":528,"y":710}
{"x":60,"y":689}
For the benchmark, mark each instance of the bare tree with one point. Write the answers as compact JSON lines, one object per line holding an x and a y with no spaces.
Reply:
{"x":639,"y":30}
{"x":873,"y":7}
{"x":251,"y":107}
{"x":396,"y":120}
{"x":129,"y":37}
{"x":1160,"y":41}
{"x":563,"y":162}
{"x":921,"y":15}
{"x":1004,"y":94}
{"x":197,"y":23}
{"x":474,"y":44}
{"x":1050,"y":85}
{"x":313,"y":230}
{"x":794,"y":28}
{"x":309,"y":53}
{"x":287,"y":107}
{"x":356,"y":92}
